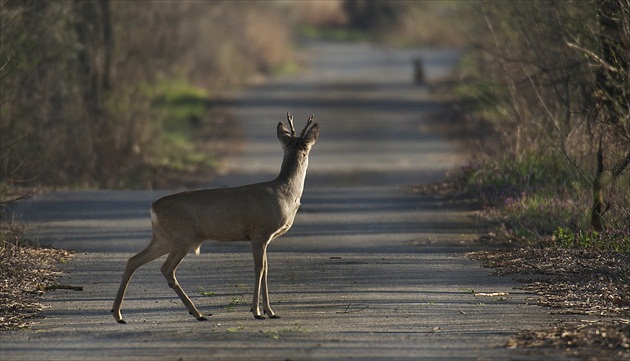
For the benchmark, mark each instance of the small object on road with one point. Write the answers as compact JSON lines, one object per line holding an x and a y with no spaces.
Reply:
{"x":63,"y":287}
{"x":358,"y":308}
{"x":418,"y":71}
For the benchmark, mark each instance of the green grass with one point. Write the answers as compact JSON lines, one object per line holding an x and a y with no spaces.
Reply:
{"x":335,"y":33}
{"x":206,"y":293}
{"x":540,"y":201}
{"x":181,"y":102}
{"x":615,"y":240}
{"x":276,"y":334}
{"x":181,"y":125}
{"x":236,"y":301}
{"x":287,"y":68}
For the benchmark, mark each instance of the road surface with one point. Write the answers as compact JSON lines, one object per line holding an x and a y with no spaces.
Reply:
{"x":369,"y":271}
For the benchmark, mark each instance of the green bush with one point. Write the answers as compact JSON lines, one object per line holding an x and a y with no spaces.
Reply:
{"x":610,"y":241}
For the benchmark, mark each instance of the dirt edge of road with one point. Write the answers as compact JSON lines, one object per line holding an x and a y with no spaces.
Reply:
{"x":576,"y":282}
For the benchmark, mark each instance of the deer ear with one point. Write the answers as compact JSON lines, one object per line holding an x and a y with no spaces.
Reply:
{"x":283,"y":134}
{"x":311,"y":136}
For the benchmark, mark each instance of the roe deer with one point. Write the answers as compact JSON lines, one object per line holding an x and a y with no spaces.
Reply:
{"x":257,"y":213}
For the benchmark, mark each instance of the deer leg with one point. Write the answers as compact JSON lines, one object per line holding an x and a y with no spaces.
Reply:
{"x":154,"y":250}
{"x":258,"y":249}
{"x":265,"y":291}
{"x":168,"y":270}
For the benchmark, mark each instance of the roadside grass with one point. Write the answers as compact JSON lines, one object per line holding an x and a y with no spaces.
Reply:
{"x":539,"y":202}
{"x":526,"y":197}
{"x":335,"y":33}
{"x":181,"y":126}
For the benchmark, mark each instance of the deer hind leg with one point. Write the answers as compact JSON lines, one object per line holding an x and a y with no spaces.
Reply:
{"x":168,"y":270}
{"x":154,"y":250}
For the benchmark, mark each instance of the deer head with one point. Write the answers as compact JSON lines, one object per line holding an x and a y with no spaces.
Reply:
{"x":289,"y":139}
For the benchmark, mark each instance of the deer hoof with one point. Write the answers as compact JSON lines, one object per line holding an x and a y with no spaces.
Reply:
{"x":259,"y":317}
{"x":118,"y":317}
{"x":202,"y":318}
{"x":122,"y":321}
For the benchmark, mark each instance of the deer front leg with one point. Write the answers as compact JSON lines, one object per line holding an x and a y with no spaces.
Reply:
{"x":265,"y":291}
{"x":259,"y":250}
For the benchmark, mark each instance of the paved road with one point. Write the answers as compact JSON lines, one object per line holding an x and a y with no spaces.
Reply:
{"x":369,"y":270}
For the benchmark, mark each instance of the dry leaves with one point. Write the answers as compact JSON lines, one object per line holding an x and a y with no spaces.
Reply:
{"x":25,"y":270}
{"x":576,"y":282}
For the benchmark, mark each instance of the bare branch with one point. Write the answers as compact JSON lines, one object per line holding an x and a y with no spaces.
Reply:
{"x":596,"y":57}
{"x":621,"y":166}
{"x":8,"y":60}
{"x":10,"y":21}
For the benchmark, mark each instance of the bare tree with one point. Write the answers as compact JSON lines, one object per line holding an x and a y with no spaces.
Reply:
{"x":557,"y":77}
{"x":611,"y":95}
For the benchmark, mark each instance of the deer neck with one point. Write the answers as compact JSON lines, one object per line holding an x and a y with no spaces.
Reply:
{"x":292,"y":174}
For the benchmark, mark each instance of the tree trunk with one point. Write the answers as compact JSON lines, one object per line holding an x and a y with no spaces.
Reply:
{"x":599,"y":200}
{"x":94,"y":35}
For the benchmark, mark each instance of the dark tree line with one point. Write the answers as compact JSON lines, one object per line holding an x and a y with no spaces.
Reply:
{"x":78,"y":75}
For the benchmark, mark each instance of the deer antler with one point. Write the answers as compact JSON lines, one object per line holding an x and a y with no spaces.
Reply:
{"x":308,"y":122}
{"x":290,"y":120}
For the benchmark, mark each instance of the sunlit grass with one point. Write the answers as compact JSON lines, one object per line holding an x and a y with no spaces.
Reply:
{"x":615,"y":240}
{"x":335,"y":33}
{"x":182,"y":105}
{"x":181,"y":125}
{"x":539,"y":201}
{"x":536,"y":214}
